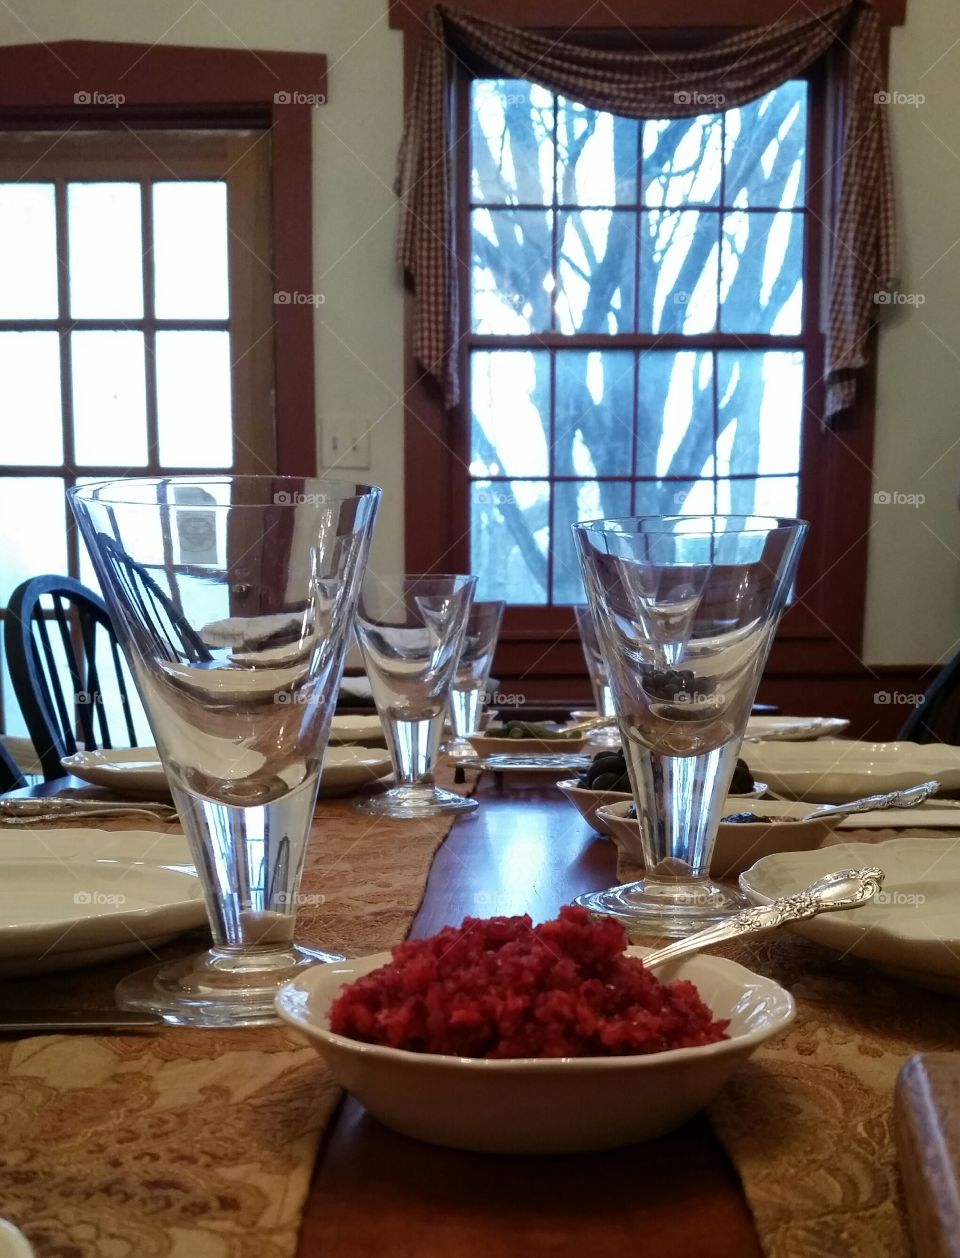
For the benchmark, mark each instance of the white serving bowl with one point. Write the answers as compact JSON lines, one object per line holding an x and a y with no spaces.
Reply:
{"x":836,"y":770}
{"x":739,"y":844}
{"x":588,"y":803}
{"x":560,"y":1105}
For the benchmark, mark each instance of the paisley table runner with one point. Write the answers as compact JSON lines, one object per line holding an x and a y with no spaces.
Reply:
{"x":187,"y":1143}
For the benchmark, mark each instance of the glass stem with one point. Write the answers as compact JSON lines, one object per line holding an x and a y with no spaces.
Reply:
{"x":465,"y":710}
{"x":413,"y":747}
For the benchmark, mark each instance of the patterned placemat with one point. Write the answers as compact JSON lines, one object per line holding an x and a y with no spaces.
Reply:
{"x":185,"y":1143}
{"x":808,"y":1121}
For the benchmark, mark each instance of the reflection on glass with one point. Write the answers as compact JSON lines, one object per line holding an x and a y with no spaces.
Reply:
{"x":766,"y":144}
{"x":194,"y":408}
{"x":109,"y":398}
{"x":574,"y":501}
{"x":190,"y":250}
{"x":509,"y":535}
{"x":675,"y":412}
{"x":32,"y":530}
{"x":511,"y":142}
{"x":597,"y":155}
{"x":30,"y":424}
{"x":596,"y":271}
{"x":760,"y":410}
{"x":510,"y":405}
{"x":28,"y":251}
{"x":106,"y":250}
{"x":761,"y":273}
{"x":512,"y":270}
{"x":593,"y":431}
{"x":679,"y":253}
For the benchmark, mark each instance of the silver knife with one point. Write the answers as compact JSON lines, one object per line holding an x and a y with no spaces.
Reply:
{"x":51,"y":808}
{"x":21,"y":1020}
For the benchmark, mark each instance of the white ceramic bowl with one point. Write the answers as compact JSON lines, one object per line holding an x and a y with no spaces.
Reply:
{"x":484,"y":746}
{"x":843,"y":769}
{"x":588,"y":802}
{"x":564,"y":1105}
{"x":363,"y":731}
{"x":738,"y":844}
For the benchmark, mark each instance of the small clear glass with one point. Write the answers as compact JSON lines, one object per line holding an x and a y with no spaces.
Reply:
{"x":468,"y":695}
{"x":411,"y":631}
{"x":608,"y":735}
{"x":686,"y":608}
{"x":232,"y":597}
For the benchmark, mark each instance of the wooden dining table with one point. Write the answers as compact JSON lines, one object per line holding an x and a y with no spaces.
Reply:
{"x":376,"y":1193}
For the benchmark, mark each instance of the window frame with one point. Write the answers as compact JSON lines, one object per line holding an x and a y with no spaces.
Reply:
{"x":539,"y":648}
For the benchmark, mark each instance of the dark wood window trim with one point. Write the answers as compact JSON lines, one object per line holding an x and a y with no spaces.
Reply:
{"x":79,"y":82}
{"x":825,"y":635}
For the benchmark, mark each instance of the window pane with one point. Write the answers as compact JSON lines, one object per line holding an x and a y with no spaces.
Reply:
{"x":190,"y":250}
{"x":761,"y":280}
{"x":510,"y":428}
{"x":28,"y":251}
{"x":679,"y":253}
{"x":573,"y":501}
{"x":194,"y":407}
{"x":682,"y":161}
{"x":594,"y":421}
{"x":774,"y":495}
{"x":33,"y":536}
{"x":30,"y":425}
{"x":106,"y":250}
{"x":597,"y":271}
{"x":675,"y":412}
{"x":597,"y":156}
{"x":672,"y":497}
{"x":511,"y":142}
{"x":766,"y":144}
{"x":512,"y":270}
{"x":760,"y":399}
{"x":509,"y":535}
{"x":109,"y":399}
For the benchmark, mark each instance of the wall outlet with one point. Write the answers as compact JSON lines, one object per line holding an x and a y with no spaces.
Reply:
{"x":345,"y":442}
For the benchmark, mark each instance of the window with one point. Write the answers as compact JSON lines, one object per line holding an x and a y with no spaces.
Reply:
{"x":638,"y":340}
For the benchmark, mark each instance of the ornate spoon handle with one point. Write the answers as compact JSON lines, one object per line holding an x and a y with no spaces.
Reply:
{"x":845,"y":889}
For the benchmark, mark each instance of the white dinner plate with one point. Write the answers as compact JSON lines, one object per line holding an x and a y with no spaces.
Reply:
{"x":796,"y":729}
{"x":75,"y":897}
{"x":347,"y":768}
{"x":364,"y":731}
{"x":840,"y":769}
{"x":912,"y":927}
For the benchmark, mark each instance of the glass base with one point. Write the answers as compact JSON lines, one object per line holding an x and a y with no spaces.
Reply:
{"x":604,"y":737}
{"x":407,"y":802}
{"x":218,"y":989}
{"x":669,"y":910}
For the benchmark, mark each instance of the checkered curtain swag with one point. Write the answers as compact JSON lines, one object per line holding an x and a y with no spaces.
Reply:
{"x":736,"y":69}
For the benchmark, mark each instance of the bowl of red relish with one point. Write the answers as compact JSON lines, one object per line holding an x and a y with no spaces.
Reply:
{"x":502,"y":1036}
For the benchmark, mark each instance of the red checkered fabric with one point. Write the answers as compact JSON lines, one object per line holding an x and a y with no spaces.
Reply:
{"x":644,"y":84}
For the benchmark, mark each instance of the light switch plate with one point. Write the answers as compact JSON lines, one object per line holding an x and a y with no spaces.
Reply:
{"x":345,"y":442}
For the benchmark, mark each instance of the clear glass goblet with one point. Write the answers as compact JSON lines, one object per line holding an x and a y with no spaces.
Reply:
{"x":686,"y":608}
{"x":411,"y":631}
{"x":473,"y":673}
{"x":607,"y":735}
{"x":232,"y":597}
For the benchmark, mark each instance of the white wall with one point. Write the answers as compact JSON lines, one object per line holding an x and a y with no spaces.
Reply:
{"x":913,"y":611}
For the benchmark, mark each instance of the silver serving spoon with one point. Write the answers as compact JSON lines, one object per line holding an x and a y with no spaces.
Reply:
{"x":845,"y":889}
{"x":905,"y":798}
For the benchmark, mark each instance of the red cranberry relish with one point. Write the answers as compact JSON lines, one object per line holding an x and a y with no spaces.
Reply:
{"x":502,"y":987}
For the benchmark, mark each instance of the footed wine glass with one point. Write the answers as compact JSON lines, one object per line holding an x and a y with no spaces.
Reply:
{"x":606,"y":735}
{"x":411,"y":631}
{"x":686,"y":608}
{"x":471,"y":678}
{"x":232,"y":597}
